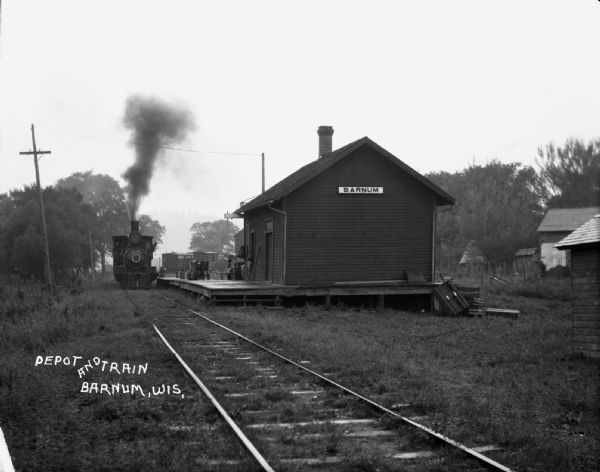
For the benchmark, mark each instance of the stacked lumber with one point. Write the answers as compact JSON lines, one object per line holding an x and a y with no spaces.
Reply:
{"x":476,"y":303}
{"x":506,"y":313}
{"x":476,"y":307}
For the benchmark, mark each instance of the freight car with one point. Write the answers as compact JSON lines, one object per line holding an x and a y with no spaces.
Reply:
{"x":173,"y":262}
{"x":178,"y":264}
{"x":132,"y":256}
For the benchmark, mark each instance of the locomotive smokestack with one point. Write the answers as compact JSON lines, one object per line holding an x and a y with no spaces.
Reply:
{"x":325,"y":140}
{"x":135,"y":236}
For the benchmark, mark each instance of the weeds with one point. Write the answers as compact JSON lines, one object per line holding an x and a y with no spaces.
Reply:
{"x":483,"y":381}
{"x":49,"y":424}
{"x":548,"y":288}
{"x":478,"y":380}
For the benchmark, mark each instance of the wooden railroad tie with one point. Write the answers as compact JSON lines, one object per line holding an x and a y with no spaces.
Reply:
{"x":502,"y":312}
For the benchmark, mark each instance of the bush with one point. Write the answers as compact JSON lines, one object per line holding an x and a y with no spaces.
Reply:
{"x":548,"y":288}
{"x":558,"y":272}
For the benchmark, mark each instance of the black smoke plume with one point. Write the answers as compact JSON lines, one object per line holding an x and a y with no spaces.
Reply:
{"x":154,"y":124}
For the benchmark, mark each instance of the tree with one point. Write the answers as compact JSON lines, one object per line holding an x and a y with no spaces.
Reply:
{"x":451,"y":241}
{"x":498,"y":208}
{"x":213,"y":236}
{"x":150,"y":227}
{"x":570,"y":175}
{"x":67,"y":220}
{"x":107,"y":199}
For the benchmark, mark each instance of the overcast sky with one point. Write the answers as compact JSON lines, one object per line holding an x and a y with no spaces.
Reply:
{"x":439,"y":84}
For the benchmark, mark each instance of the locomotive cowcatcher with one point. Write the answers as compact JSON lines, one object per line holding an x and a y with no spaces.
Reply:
{"x":132,"y":256}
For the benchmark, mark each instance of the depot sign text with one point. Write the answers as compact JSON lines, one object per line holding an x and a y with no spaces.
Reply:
{"x":354,"y":190}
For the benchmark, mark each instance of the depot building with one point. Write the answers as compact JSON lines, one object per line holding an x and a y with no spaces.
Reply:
{"x":354,"y":214}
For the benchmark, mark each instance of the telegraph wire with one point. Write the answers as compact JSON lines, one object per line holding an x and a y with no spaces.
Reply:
{"x":196,"y":151}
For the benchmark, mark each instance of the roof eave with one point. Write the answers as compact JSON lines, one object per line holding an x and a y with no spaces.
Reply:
{"x":443,"y":198}
{"x":249,"y":207}
{"x":576,"y":244}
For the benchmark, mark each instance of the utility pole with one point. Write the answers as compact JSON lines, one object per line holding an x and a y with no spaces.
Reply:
{"x":35,"y":154}
{"x":92,"y":268}
{"x":263,"y":172}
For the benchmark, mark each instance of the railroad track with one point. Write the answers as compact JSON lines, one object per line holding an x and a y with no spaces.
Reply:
{"x":290,"y":417}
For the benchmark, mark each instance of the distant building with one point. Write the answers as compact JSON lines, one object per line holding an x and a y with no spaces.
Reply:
{"x":355,"y":214}
{"x":526,"y":262}
{"x":556,"y":225}
{"x":584,"y":245}
{"x":472,"y":260}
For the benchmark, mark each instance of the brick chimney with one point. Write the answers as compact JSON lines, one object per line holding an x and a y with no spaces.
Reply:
{"x":325,"y":142}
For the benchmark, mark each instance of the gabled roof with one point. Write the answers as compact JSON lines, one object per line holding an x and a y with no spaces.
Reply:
{"x":566,"y":219}
{"x":588,"y":233}
{"x":312,"y":169}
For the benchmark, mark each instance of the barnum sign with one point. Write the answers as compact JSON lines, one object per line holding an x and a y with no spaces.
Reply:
{"x":343,"y":190}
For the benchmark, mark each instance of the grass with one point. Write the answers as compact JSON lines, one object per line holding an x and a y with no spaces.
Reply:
{"x":548,"y":288}
{"x":50,"y":425}
{"x":479,"y":380}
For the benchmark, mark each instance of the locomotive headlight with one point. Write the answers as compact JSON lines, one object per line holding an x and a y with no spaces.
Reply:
{"x":135,"y":258}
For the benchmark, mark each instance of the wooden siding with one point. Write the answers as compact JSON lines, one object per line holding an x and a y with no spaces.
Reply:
{"x":585,"y":279}
{"x":335,"y":238}
{"x":255,"y":221}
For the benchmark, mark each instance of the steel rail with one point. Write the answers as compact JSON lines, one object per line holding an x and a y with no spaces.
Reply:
{"x":255,"y":453}
{"x":484,"y":460}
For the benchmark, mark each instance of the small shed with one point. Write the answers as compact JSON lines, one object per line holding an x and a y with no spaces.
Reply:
{"x":472,"y":261}
{"x":557,"y":224}
{"x":355,"y":214}
{"x":526,"y":262}
{"x":584,"y":244}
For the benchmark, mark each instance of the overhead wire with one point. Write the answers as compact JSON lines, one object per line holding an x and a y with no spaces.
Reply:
{"x":196,"y":151}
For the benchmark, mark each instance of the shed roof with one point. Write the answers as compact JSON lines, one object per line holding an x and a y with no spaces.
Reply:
{"x":566,"y":219}
{"x":312,"y":169}
{"x":588,"y":233}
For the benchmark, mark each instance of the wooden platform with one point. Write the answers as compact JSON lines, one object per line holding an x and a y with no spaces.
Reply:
{"x":229,"y":291}
{"x":252,"y":292}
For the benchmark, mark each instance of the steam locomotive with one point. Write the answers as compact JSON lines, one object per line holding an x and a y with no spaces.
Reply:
{"x":132,"y":256}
